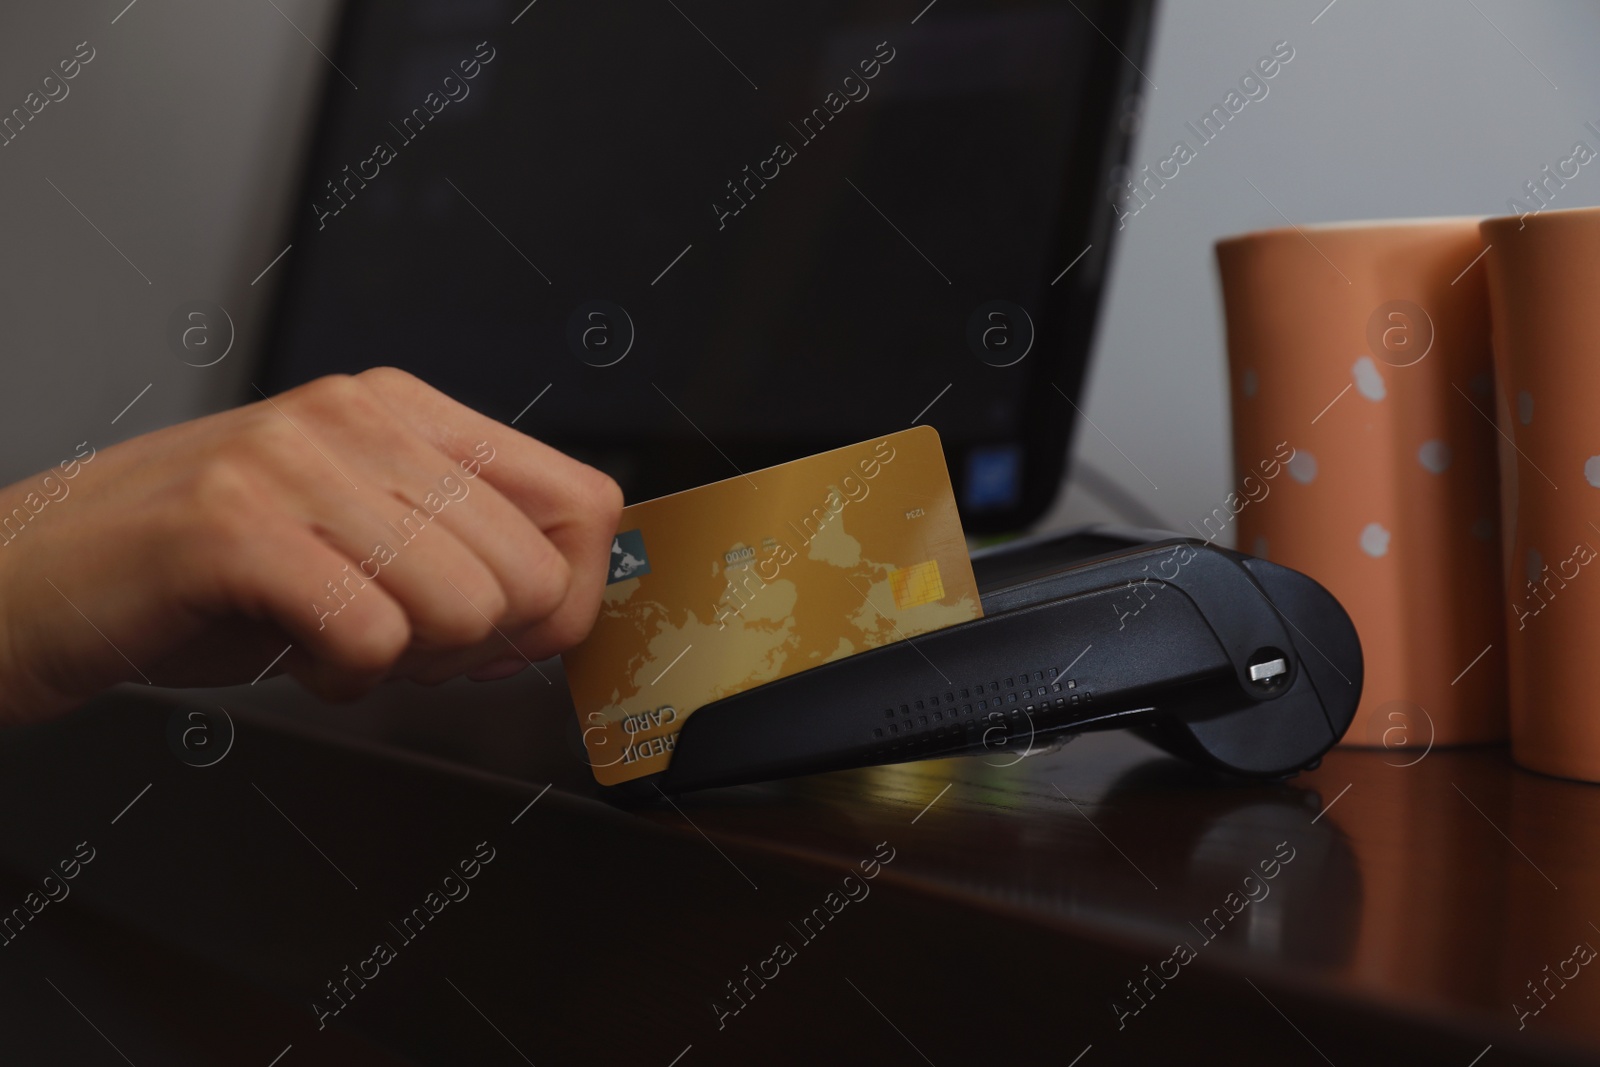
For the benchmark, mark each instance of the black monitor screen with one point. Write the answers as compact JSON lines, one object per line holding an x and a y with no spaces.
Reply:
{"x":701,"y":237}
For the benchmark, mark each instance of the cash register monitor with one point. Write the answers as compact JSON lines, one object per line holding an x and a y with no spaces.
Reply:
{"x":688,"y":238}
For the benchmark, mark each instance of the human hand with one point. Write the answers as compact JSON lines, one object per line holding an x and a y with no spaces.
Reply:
{"x":370,"y":524}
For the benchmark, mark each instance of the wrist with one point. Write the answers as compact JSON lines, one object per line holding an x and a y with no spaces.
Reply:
{"x":23,"y":695}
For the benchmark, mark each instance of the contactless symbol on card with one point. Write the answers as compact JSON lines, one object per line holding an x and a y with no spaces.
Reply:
{"x":628,"y":559}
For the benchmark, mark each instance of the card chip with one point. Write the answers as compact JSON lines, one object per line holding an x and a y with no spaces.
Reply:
{"x":916,"y":584}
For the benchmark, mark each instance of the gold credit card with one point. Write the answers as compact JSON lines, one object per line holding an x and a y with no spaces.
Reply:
{"x":717,"y":589}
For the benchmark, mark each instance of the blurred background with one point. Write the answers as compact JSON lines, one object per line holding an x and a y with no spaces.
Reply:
{"x":181,"y":142}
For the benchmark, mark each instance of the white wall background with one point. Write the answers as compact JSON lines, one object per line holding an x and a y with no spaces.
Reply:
{"x":1389,"y":109}
{"x":179,"y":142}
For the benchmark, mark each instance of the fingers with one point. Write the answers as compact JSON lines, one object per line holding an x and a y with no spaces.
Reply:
{"x":499,"y":568}
{"x":261,"y":563}
{"x":450,"y":596}
{"x":575,"y":506}
{"x":422,"y":517}
{"x":333,"y":531}
{"x":555,"y":490}
{"x":466,"y":564}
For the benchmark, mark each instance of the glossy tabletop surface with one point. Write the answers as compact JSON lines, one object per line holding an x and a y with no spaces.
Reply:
{"x":1099,"y":899}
